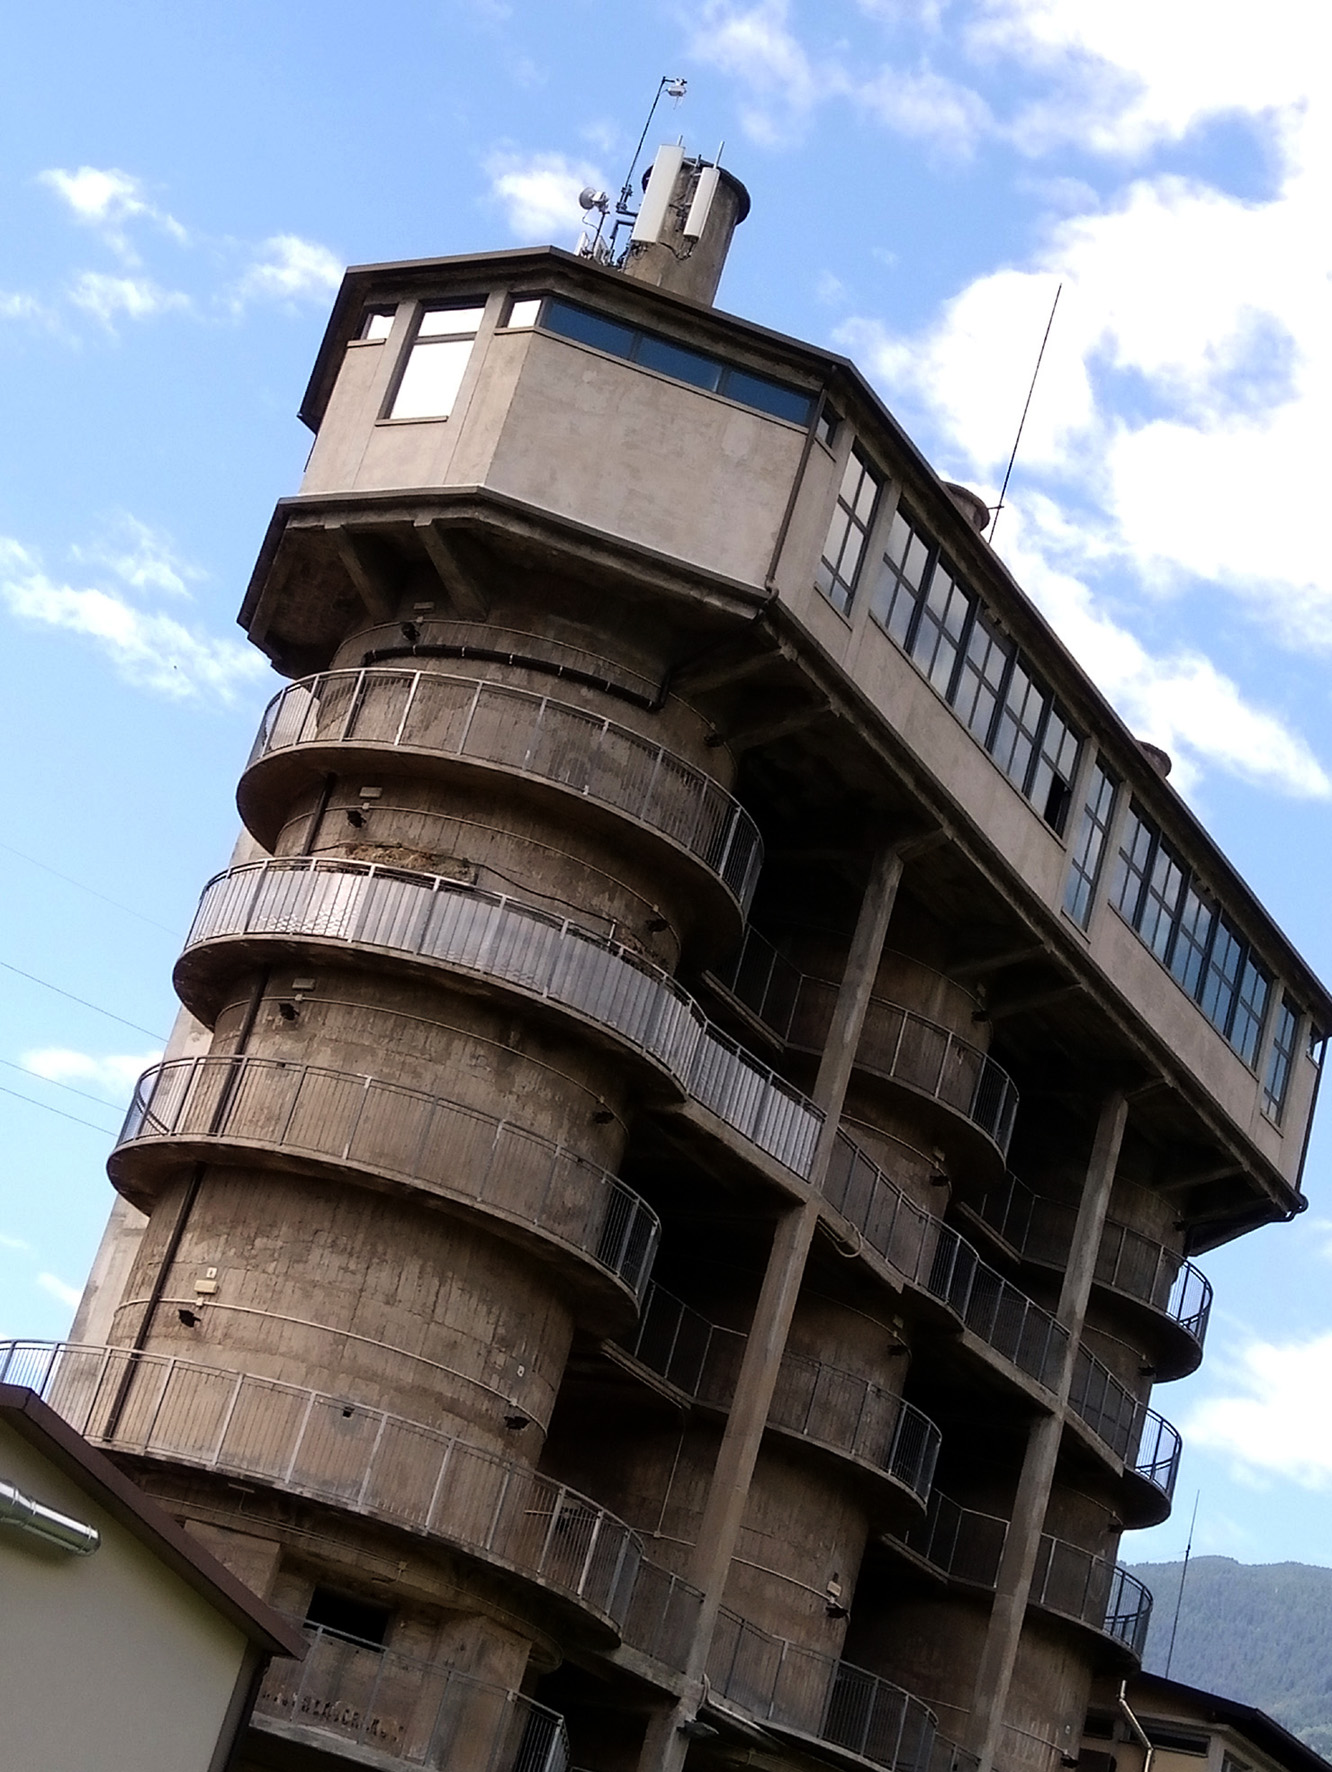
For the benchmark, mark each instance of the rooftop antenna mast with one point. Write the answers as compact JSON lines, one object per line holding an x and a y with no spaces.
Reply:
{"x":1040,"y":358}
{"x":1183,"y":1577}
{"x":594,"y":202}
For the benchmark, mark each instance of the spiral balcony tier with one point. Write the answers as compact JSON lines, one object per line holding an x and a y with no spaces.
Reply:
{"x":398,"y":1710}
{"x":817,"y":1699}
{"x":814,"y":1401}
{"x":966,"y":1546}
{"x":425,"y":918}
{"x":896,"y":1044}
{"x":335,"y":1450}
{"x":456,"y":722}
{"x":1173,"y":1296}
{"x":527,"y":1184}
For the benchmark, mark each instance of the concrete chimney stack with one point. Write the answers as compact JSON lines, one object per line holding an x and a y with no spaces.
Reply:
{"x":689,"y":251}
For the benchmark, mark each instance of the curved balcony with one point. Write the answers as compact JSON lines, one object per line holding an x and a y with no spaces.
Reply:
{"x":405,"y":1135}
{"x":895,"y":1043}
{"x":833,"y":1409}
{"x":662,"y":1616}
{"x":817,"y":1698}
{"x":405,"y":1711}
{"x":334,"y":1450}
{"x":1175,"y":1294}
{"x":1146,"y":1443}
{"x":439,"y":715}
{"x":426,"y":918}
{"x":966,"y":1546}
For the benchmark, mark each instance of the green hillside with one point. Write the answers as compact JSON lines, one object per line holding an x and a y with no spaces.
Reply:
{"x":1260,"y":1633}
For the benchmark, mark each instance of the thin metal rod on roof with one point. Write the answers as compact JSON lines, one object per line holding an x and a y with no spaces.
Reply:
{"x":1183,"y":1577}
{"x":1040,"y":357}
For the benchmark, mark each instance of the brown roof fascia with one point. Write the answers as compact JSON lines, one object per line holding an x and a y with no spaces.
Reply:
{"x":52,"y":1436}
{"x":1264,"y":1731}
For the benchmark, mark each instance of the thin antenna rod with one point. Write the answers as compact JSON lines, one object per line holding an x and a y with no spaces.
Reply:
{"x":1183,"y":1577}
{"x":627,"y":189}
{"x":1040,"y":356}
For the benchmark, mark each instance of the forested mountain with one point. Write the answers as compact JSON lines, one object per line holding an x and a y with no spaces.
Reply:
{"x":1260,"y":1633}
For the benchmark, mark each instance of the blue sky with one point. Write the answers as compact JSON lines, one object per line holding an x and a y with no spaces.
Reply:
{"x":179,"y":190}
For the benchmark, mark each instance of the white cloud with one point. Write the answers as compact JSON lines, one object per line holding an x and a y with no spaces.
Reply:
{"x":142,"y":558}
{"x":289,"y":268}
{"x":15,"y":1243}
{"x":1275,"y":1419}
{"x":756,"y":45}
{"x":152,"y":650}
{"x":60,"y":1289}
{"x":539,"y":193}
{"x":114,"y":1073}
{"x":109,"y":299}
{"x":926,"y":106}
{"x":15,"y":305}
{"x":105,"y":198}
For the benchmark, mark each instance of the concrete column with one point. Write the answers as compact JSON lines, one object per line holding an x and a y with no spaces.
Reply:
{"x":1018,"y":1563}
{"x":665,"y":1744}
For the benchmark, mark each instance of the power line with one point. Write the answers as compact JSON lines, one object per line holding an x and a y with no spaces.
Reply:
{"x":1183,"y":1577}
{"x":83,"y":886}
{"x":1040,"y":358}
{"x":106,"y":1131}
{"x":83,"y":1002}
{"x":54,"y":1083}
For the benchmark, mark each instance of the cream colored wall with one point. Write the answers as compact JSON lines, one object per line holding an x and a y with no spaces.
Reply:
{"x":111,"y":1663}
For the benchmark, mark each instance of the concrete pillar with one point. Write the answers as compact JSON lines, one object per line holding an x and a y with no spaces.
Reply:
{"x":665,"y":1743}
{"x":995,"y":1672}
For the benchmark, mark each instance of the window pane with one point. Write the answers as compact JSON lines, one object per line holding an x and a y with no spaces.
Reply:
{"x":1250,"y":1008}
{"x":1086,"y":862}
{"x":677,"y":362}
{"x":378,"y":323}
{"x":1052,"y":779}
{"x":1020,"y":721}
{"x":1191,"y":941}
{"x":523,"y":313}
{"x":1282,"y":1056}
{"x":446,"y":322}
{"x":983,"y":665}
{"x":940,"y":629}
{"x":771,"y":397}
{"x":431,"y":380}
{"x":588,"y":328}
{"x":1131,"y":865}
{"x":1221,"y":979}
{"x":1156,"y":922}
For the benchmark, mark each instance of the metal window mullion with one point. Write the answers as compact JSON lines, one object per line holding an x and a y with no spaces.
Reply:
{"x":370,"y":1461}
{"x":963,"y":641}
{"x":407,"y":707}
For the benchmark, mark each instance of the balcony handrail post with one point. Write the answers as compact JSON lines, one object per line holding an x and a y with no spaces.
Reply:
{"x":300,"y":1435}
{"x":368,"y":1472}
{"x":407,"y":707}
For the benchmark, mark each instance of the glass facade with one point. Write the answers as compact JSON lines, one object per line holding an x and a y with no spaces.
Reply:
{"x":1085,"y":864}
{"x":844,"y":549}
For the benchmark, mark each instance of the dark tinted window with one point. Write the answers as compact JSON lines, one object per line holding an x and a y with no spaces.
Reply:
{"x":588,"y":328}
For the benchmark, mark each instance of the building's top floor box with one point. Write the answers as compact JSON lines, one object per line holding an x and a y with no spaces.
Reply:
{"x":768,"y":474}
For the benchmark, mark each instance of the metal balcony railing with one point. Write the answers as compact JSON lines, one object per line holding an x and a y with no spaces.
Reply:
{"x":1127,"y":1261}
{"x":819,"y":1402}
{"x":662,"y":1618}
{"x":967,"y":1545}
{"x":433,"y":1143}
{"x":1143,"y":1440}
{"x":427,"y":917}
{"x":943,"y":1264}
{"x":816,"y":1695}
{"x":336,"y":1450}
{"x":409,"y":1710}
{"x":895,"y":1043}
{"x":457,"y":716}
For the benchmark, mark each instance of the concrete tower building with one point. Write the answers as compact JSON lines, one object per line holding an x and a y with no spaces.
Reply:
{"x":704,"y":1084}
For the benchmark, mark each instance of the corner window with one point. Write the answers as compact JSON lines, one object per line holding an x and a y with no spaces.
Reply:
{"x":1085,"y":866}
{"x":839,"y":568}
{"x":433,"y":372}
{"x":523,"y":313}
{"x":376,"y":324}
{"x":1285,"y":1030}
{"x":1191,"y":936}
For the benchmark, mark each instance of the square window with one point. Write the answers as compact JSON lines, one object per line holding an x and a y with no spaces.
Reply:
{"x":449,"y":322}
{"x":376,"y":324}
{"x":431,"y":378}
{"x":523,"y":313}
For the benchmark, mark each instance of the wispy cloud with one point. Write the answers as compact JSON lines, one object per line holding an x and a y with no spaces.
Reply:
{"x":109,"y":299}
{"x":288,"y":268}
{"x":60,"y":1290}
{"x":113,"y":1073}
{"x":15,"y":1243}
{"x":1272,"y":1421}
{"x":539,"y":193}
{"x":108,"y":200}
{"x":148,"y":648}
{"x":142,"y":558}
